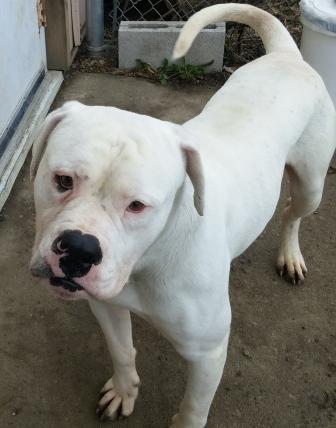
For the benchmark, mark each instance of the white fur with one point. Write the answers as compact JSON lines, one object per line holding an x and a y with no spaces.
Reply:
{"x":170,"y":264}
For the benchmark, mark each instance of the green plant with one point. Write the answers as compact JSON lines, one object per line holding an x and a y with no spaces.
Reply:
{"x":181,"y":71}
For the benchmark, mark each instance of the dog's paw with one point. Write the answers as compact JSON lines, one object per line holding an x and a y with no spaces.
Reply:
{"x":117,"y":401}
{"x":291,"y":267}
{"x":175,"y":422}
{"x":180,"y":422}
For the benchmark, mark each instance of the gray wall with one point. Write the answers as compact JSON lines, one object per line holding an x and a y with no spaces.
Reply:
{"x":22,"y":54}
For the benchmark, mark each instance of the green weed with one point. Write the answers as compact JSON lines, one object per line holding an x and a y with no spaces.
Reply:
{"x":182,"y":71}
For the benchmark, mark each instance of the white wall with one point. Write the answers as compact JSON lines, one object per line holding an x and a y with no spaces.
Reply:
{"x":22,"y":54}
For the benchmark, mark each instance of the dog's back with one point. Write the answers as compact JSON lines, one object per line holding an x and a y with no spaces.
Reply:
{"x":274,"y":111}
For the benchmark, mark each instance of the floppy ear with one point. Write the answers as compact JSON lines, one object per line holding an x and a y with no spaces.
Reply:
{"x":194,"y":170}
{"x":49,"y":124}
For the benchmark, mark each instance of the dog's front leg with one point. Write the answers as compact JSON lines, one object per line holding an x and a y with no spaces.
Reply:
{"x":120,"y":392}
{"x":204,"y":374}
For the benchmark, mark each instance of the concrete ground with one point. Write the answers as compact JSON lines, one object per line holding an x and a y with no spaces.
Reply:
{"x":281,"y":368}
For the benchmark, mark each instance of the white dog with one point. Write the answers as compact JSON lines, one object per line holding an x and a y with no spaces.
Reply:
{"x":136,"y":214}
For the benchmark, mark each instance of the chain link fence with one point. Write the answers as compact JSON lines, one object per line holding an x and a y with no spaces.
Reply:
{"x":180,"y":10}
{"x":152,"y":10}
{"x":242,"y":44}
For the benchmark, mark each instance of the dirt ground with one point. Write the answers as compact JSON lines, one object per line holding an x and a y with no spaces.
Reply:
{"x":281,"y":367}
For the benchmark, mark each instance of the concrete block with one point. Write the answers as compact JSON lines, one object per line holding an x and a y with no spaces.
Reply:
{"x":153,"y":41}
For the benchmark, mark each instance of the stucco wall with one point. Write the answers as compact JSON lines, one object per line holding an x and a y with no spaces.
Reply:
{"x":22,"y":54}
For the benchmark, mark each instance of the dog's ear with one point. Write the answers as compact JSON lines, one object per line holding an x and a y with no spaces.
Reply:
{"x":194,"y":170}
{"x":49,"y":124}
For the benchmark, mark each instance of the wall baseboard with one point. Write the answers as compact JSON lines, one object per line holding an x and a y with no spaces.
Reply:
{"x":25,"y":133}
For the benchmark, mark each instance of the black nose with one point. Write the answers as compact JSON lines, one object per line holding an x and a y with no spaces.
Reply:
{"x":80,"y":250}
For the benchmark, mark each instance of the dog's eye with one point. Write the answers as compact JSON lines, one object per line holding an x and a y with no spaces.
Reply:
{"x":63,"y":183}
{"x":136,"y":207}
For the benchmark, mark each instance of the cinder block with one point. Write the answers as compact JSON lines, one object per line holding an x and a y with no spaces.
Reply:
{"x":152,"y":42}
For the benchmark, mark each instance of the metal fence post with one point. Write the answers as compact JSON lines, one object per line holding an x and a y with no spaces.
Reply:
{"x":95,"y":25}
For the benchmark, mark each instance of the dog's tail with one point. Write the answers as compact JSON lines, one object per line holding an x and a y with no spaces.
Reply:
{"x":274,"y":35}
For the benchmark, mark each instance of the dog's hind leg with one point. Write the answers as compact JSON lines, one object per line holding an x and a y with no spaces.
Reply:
{"x":307,"y":165}
{"x":304,"y":198}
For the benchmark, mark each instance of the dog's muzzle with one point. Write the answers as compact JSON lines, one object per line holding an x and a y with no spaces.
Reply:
{"x":43,"y":270}
{"x":78,"y":251}
{"x":76,"y":254}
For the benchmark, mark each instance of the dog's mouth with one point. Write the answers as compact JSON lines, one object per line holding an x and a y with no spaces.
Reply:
{"x":66,"y":283}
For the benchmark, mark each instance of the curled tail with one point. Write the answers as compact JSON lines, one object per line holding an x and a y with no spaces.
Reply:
{"x":274,"y":35}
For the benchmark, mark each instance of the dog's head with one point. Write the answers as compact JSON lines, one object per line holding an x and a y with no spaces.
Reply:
{"x":105,"y":184}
